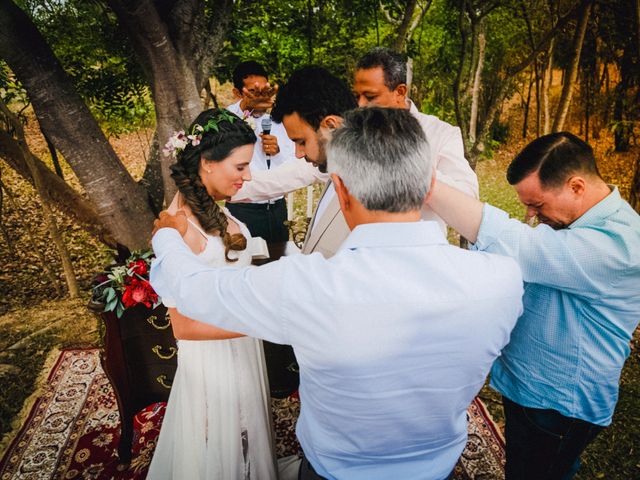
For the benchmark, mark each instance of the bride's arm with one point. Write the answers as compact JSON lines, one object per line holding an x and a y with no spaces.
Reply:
{"x":185,"y":328}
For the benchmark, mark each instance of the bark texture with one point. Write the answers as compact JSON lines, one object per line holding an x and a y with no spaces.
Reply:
{"x":178,"y":45}
{"x":121,"y":204}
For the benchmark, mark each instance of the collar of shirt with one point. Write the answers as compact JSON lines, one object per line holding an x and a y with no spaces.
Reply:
{"x":603,"y":209}
{"x":395,"y":234}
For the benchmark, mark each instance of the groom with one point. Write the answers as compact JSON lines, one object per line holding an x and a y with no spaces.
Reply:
{"x":392,"y":343}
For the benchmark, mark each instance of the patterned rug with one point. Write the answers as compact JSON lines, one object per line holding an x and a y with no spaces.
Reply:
{"x":72,"y":431}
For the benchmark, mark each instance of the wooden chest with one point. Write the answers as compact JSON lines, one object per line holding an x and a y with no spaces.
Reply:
{"x":139,"y":356}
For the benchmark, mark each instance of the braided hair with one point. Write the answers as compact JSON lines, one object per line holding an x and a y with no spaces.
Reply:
{"x":222,"y":133}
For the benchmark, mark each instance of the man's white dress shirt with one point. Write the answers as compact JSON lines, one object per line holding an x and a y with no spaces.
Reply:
{"x":447,"y":154}
{"x":394,"y":336}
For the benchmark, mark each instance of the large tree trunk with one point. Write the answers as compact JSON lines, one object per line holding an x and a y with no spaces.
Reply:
{"x":121,"y":204}
{"x":178,"y":48}
{"x":173,"y":83}
{"x":572,"y":70}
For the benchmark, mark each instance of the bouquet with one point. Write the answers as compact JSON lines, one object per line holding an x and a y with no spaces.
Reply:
{"x":125,"y":286}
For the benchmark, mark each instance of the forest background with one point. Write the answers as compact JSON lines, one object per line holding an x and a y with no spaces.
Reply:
{"x":90,"y":88}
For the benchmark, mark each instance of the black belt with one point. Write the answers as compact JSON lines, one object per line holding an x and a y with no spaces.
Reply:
{"x":258,"y":206}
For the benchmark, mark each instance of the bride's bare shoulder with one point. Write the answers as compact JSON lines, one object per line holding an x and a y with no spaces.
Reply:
{"x":174,"y":205}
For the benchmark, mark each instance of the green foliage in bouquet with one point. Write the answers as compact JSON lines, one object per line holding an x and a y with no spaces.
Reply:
{"x":126,"y":285}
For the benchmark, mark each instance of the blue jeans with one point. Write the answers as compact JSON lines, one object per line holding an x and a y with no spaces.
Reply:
{"x":544,"y":444}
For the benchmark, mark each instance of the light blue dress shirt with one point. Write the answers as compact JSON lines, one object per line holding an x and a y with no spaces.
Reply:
{"x":394,"y":335}
{"x":581,"y":306}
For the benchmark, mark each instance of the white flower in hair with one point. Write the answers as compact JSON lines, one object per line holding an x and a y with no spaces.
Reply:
{"x":176,"y":143}
{"x":194,"y":139}
{"x":179,"y":140}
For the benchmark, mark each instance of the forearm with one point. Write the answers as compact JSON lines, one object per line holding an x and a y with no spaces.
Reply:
{"x":269,"y":184}
{"x":185,"y":328}
{"x":244,"y":299}
{"x":457,"y":209}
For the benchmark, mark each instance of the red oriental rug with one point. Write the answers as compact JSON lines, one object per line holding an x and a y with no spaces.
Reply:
{"x":72,"y":431}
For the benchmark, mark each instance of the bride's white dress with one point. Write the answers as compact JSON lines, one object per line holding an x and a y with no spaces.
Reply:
{"x":217,"y":425}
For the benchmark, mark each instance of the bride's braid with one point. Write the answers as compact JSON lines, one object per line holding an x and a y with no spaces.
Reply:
{"x":214,"y":146}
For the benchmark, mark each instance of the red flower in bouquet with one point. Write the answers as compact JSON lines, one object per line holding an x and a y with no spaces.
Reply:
{"x":138,"y":291}
{"x":139,"y":267}
{"x":126,"y":284}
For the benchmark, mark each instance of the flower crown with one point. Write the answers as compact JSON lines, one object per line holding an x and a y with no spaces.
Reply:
{"x":179,"y":140}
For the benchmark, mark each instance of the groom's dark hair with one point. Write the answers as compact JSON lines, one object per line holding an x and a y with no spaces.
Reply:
{"x":313,"y":93}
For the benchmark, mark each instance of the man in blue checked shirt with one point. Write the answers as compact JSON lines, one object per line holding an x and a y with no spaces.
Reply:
{"x":560,"y":372}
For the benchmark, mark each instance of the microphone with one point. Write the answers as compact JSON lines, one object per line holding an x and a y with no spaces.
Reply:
{"x":266,"y":129}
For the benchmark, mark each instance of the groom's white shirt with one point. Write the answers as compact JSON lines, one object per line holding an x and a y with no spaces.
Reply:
{"x":394,"y":335}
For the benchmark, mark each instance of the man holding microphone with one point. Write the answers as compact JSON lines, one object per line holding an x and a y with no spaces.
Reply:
{"x":273,"y":148}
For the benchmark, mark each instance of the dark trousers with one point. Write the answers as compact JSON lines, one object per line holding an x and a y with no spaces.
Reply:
{"x":264,"y":220}
{"x":544,"y":444}
{"x":306,"y":471}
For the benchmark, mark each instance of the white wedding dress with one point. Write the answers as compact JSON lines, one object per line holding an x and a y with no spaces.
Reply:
{"x":217,"y":425}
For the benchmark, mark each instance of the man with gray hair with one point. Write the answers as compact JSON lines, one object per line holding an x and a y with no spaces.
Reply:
{"x":392,"y":344}
{"x":381,"y":80}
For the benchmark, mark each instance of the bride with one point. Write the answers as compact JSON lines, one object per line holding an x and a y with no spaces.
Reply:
{"x":217,"y":424}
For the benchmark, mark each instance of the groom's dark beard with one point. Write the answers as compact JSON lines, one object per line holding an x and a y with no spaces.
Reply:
{"x":322,"y":154}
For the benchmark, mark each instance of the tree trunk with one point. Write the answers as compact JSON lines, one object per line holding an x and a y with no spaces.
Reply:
{"x":623,"y":127}
{"x":587,"y":76}
{"x":409,"y":75}
{"x":525,"y":123}
{"x":54,"y":157}
{"x":402,"y":33}
{"x":309,"y":32}
{"x":547,"y":84}
{"x":457,"y":83}
{"x":173,"y":83}
{"x":572,"y":71}
{"x":49,"y":217}
{"x":152,"y":176}
{"x":536,"y":70}
{"x":121,"y":204}
{"x":66,"y":198}
{"x":477,"y":85}
{"x":198,"y":36}
{"x":3,"y":229}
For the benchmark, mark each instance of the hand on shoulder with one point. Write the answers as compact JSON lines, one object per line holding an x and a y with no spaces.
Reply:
{"x":166,"y":220}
